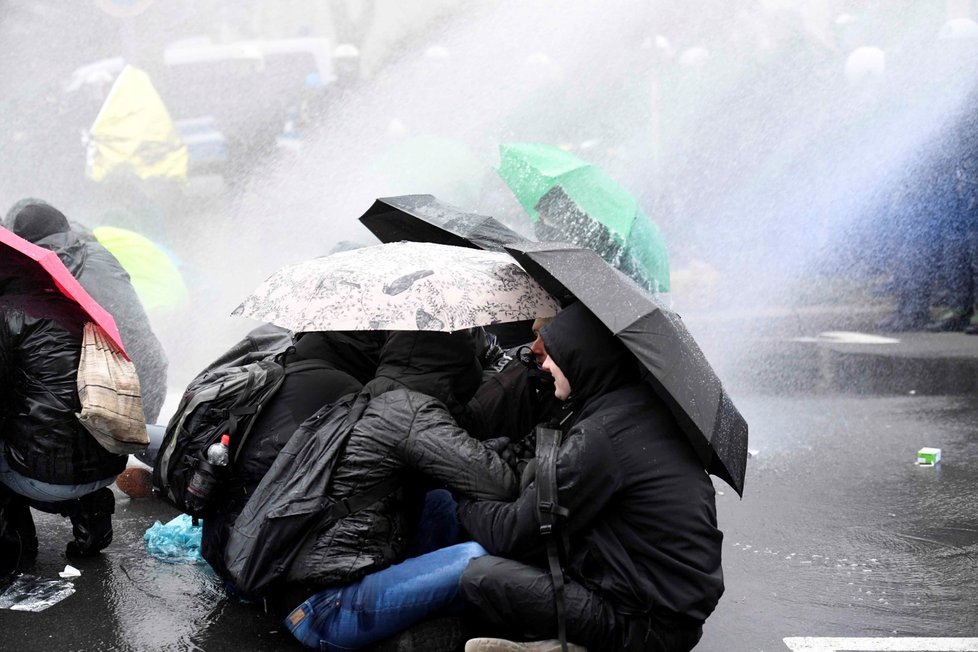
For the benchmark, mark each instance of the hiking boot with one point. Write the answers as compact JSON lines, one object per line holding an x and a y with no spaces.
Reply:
{"x":136,"y":482}
{"x":502,"y":645}
{"x":91,"y":523}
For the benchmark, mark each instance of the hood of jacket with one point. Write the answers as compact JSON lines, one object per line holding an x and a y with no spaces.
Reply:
{"x":594,"y":361}
{"x":71,"y":247}
{"x":355,"y":352}
{"x":35,"y":220}
{"x":441,"y":365}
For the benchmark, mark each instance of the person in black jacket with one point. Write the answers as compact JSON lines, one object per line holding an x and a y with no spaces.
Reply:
{"x":406,"y":441}
{"x":107,"y":282}
{"x":345,"y":361}
{"x":642,"y":559}
{"x":47,"y":459}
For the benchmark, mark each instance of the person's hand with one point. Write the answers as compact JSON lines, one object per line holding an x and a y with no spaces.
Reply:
{"x":500,"y":446}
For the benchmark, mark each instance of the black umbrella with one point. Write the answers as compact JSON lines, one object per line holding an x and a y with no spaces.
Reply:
{"x":424,"y":218}
{"x":657,"y":336}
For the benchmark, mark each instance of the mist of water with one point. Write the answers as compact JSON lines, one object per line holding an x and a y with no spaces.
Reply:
{"x":733,"y":124}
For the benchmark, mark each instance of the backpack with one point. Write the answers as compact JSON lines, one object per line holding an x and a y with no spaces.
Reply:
{"x":292,"y":503}
{"x":221,"y":400}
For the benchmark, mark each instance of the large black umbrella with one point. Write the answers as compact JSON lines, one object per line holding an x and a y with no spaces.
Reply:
{"x":424,"y":218}
{"x":657,"y":336}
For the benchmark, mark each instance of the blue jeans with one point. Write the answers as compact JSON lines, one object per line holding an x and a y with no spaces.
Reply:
{"x":45,"y":491}
{"x":383,"y":603}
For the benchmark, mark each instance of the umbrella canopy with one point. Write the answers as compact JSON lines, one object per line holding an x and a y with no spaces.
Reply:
{"x":410,"y":286}
{"x":134,"y":129}
{"x":30,"y":255}
{"x":424,"y":218}
{"x":569,"y":199}
{"x":657,"y":336}
{"x":155,"y":277}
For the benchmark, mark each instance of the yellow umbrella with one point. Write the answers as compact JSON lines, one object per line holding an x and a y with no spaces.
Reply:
{"x":157,"y":281}
{"x":134,"y":129}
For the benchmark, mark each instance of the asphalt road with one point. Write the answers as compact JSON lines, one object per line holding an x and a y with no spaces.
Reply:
{"x":839,"y":534}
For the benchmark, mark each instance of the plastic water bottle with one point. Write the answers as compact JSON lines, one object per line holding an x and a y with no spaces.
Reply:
{"x":219,"y":453}
{"x":207,"y":474}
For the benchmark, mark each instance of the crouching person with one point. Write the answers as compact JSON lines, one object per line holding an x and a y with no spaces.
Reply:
{"x":352,"y":583}
{"x":630,"y":505}
{"x":47,"y":459}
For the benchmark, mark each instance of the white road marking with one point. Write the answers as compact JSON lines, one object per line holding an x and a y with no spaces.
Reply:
{"x":815,"y":644}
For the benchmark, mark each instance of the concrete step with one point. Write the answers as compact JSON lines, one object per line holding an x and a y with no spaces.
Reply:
{"x":794,"y":351}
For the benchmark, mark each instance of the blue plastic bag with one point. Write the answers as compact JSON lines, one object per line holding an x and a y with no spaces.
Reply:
{"x":177,"y":542}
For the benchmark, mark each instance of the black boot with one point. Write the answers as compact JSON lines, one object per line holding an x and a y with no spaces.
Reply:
{"x":91,"y":523}
{"x":18,"y":538}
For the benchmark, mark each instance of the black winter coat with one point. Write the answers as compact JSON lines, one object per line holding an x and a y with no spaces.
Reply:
{"x":642,"y":526}
{"x":40,"y":345}
{"x":107,"y":282}
{"x":341,"y":357}
{"x":413,"y":437}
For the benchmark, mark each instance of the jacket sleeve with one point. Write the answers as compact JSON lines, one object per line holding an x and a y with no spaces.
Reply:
{"x":587,"y":477}
{"x":440,"y":449}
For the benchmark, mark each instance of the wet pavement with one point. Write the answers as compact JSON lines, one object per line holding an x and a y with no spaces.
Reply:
{"x":839,"y":534}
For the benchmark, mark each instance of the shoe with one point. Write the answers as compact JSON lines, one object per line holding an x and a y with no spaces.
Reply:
{"x":136,"y":482}
{"x":91,"y":523}
{"x":18,"y":537}
{"x":949,"y":321}
{"x":502,"y":645}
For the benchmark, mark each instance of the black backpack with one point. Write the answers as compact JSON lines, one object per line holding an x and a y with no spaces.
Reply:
{"x":221,"y":400}
{"x":293,"y":502}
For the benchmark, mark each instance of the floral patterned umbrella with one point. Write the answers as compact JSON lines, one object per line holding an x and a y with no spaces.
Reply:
{"x":417,"y":286}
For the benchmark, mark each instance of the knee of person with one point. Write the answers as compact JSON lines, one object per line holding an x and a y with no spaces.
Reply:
{"x":477,"y":570}
{"x":472,"y":550}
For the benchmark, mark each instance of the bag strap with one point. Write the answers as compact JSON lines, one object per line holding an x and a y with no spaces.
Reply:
{"x":550,"y":513}
{"x":346,"y":506}
{"x":240,"y":409}
{"x":306,"y":365}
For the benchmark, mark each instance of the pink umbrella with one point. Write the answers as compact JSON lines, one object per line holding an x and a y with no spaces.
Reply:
{"x":70,"y":287}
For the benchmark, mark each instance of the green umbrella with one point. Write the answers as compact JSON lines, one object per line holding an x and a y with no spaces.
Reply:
{"x":570,"y":199}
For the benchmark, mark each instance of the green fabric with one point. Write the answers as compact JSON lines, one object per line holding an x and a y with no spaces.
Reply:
{"x":157,"y":281}
{"x":532,"y":169}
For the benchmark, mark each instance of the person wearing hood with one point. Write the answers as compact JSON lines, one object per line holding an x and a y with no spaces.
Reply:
{"x":341,"y":363}
{"x":354,"y":569}
{"x":48,"y":460}
{"x":641,"y":544}
{"x":107,"y":282}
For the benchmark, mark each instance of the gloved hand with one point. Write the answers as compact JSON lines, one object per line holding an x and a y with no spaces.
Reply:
{"x":500,"y":445}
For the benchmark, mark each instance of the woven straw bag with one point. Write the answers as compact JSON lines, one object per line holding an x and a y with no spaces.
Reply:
{"x":112,"y":407}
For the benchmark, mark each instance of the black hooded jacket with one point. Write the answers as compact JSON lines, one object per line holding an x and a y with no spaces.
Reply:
{"x":642,"y":526}
{"x":407,"y":433}
{"x":339,"y":365}
{"x":40,"y":345}
{"x":107,"y":282}
{"x":342,"y":360}
{"x":100,"y":273}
